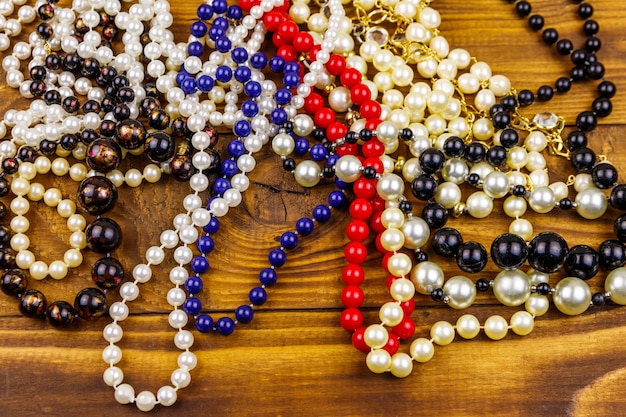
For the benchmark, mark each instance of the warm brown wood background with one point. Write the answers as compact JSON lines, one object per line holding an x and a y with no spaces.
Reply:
{"x":294,"y":359}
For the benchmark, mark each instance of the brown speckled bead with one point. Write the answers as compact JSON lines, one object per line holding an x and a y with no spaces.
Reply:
{"x":104,"y":235}
{"x":130,"y":134}
{"x":104,"y":155}
{"x":14,"y":282}
{"x":61,"y":314}
{"x":107,"y":273}
{"x":90,"y":303}
{"x":96,"y":195}
{"x":33,"y":304}
{"x":159,"y":147}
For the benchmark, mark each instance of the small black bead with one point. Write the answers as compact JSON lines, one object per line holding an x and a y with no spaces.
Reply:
{"x":550,"y":36}
{"x":435,"y":215}
{"x":585,"y":10}
{"x":586,"y":121}
{"x":47,"y":147}
{"x":482,"y":285}
{"x":497,"y":155}
{"x":576,"y":139}
{"x":604,"y":175}
{"x":578,"y":73}
{"x":566,"y":204}
{"x":287,"y":127}
{"x":60,"y":314}
{"x":121,"y":112}
{"x":618,"y":197}
{"x":328,"y":171}
{"x":509,"y":251}
{"x":13,"y":282}
{"x":595,"y":71}
{"x":406,"y":207}
{"x":525,"y":97}
{"x":593,"y":44}
{"x":52,"y":97}
{"x":351,"y":138}
{"x":420,"y":256}
{"x":431,"y":160}
{"x":473,"y":179}
{"x":612,"y":254}
{"x":71,"y":62}
{"x":69,"y":141}
{"x":547,"y":252}
{"x":471,"y":257}
{"x":27,"y":154}
{"x":289,"y":164}
{"x":501,"y":120}
{"x":602,"y":107}
{"x":475,"y":152}
{"x":519,"y":190}
{"x":125,"y":95}
{"x":53,"y":62}
{"x":71,"y":104}
{"x":564,"y":47}
{"x":5,"y":186}
{"x":87,"y":136}
{"x":446,"y":242}
{"x":619,"y":226}
{"x":369,"y":173}
{"x":536,"y":22}
{"x":91,"y":106}
{"x":496,"y":108}
{"x":509,"y":138}
{"x":454,"y":147}
{"x":120,"y":81}
{"x":405,"y":134}
{"x":607,"y":89}
{"x":107,"y":104}
{"x":582,"y":261}
{"x":509,"y":102}
{"x":437,"y":294}
{"x":424,"y":187}
{"x":319,"y":134}
{"x":365,"y":135}
{"x":33,"y":304}
{"x":545,"y":93}
{"x":598,"y":299}
{"x":523,"y":8}
{"x":107,"y":273}
{"x":543,"y":288}
{"x":583,"y":159}
{"x":563,"y":85}
{"x":91,"y":68}
{"x":38,"y":73}
{"x":591,"y":27}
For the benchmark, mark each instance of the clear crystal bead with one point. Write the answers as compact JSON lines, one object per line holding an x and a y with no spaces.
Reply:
{"x":546,"y":120}
{"x":378,"y":35}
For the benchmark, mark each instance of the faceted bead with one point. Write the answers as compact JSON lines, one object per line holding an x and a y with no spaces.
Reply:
{"x":446,"y":242}
{"x":33,"y":304}
{"x":582,"y":261}
{"x":130,"y":134}
{"x":60,"y":314}
{"x":107,"y":273}
{"x":96,"y":195}
{"x":14,"y":282}
{"x":509,"y":251}
{"x":547,"y":252}
{"x":90,"y":303}
{"x":471,"y":257}
{"x":103,"y":155}
{"x":160,"y":147}
{"x":612,"y":254}
{"x":104,"y":235}
{"x":546,"y":120}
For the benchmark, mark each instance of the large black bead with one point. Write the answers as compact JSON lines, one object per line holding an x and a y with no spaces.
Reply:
{"x":61,"y":314}
{"x":446,"y":242}
{"x":104,"y":235}
{"x":583,"y":159}
{"x":107,"y":273}
{"x":509,"y":251}
{"x":582,"y":261}
{"x":424,"y":187}
{"x":604,"y":175}
{"x":619,"y":226}
{"x":475,"y":152}
{"x":130,"y":134}
{"x":33,"y":304}
{"x":612,"y":254}
{"x":104,"y":155}
{"x":547,"y":252}
{"x":618,"y":197}
{"x":90,"y":303}
{"x":496,"y":155}
{"x":435,"y":215}
{"x":454,"y":147}
{"x":431,"y":160}
{"x":471,"y":257}
{"x":160,"y":147}
{"x":97,"y":194}
{"x":14,"y":282}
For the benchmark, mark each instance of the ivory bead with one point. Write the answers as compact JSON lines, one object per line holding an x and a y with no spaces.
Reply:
{"x":521,"y":227}
{"x":402,"y":290}
{"x":442,"y":333}
{"x":615,"y":285}
{"x":401,"y":365}
{"x":496,"y":327}
{"x":376,"y":336}
{"x":511,"y":288}
{"x":514,"y":206}
{"x":479,"y":205}
{"x":422,"y":350}
{"x":572,"y":296}
{"x":399,"y":264}
{"x":427,"y":276}
{"x":496,"y":184}
{"x":591,"y":203}
{"x":468,"y":326}
{"x":378,"y":361}
{"x":416,"y":233}
{"x":391,"y":314}
{"x":460,"y":292}
{"x":542,"y":199}
{"x":522,"y":323}
{"x":145,"y":401}
{"x":448,"y":195}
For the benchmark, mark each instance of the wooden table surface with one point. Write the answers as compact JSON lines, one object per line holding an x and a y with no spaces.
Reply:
{"x":294,"y":358}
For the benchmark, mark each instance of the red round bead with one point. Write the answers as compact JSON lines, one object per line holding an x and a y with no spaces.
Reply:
{"x":284,"y":8}
{"x":247,"y":5}
{"x":355,"y":253}
{"x":277,"y":40}
{"x":303,"y":41}
{"x":385,"y":260}
{"x":287,"y":52}
{"x":347,"y":149}
{"x":350,"y":77}
{"x":375,"y":222}
{"x":373,"y":148}
{"x":357,"y":230}
{"x":358,"y":340}
{"x":313,"y":52}
{"x":360,"y":93}
{"x":375,"y":163}
{"x":351,"y":319}
{"x":364,"y":188}
{"x":288,"y":29}
{"x":336,"y":64}
{"x":372,"y":124}
{"x":324,"y":117}
{"x":379,"y":246}
{"x":352,"y":296}
{"x":390,"y":279}
{"x":408,"y":306}
{"x":352,"y":274}
{"x":393,"y":344}
{"x":378,"y":204}
{"x":272,"y":20}
{"x":360,"y":208}
{"x":313,"y":103}
{"x":405,"y":329}
{"x":336,"y":131}
{"x":370,"y":109}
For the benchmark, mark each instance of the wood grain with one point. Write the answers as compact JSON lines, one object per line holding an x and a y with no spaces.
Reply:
{"x":294,"y":359}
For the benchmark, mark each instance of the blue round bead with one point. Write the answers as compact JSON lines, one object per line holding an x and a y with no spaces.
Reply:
{"x":236,"y":148}
{"x":243,"y":74}
{"x":204,"y":323}
{"x":205,"y":11}
{"x":342,"y":184}
{"x":198,"y":29}
{"x":268,"y":276}
{"x":301,"y":146}
{"x":252,"y":89}
{"x":234,"y":12}
{"x":278,"y":116}
{"x":291,"y":80}
{"x":221,"y":22}
{"x":277,"y":63}
{"x":212,"y":226}
{"x":289,"y":240}
{"x":318,"y":152}
{"x":216,"y":32}
{"x":205,"y":83}
{"x":257,"y":296}
{"x":200,"y":264}
{"x":229,"y":168}
{"x":192,"y":306}
{"x":194,"y":284}
{"x":242,"y":128}
{"x":321,"y":213}
{"x":277,"y":258}
{"x":239,"y":55}
{"x":249,"y":108}
{"x":258,"y":60}
{"x":336,"y":199}
{"x":225,"y":326}
{"x":205,"y":244}
{"x":244,"y":314}
{"x":188,"y":85}
{"x":292,"y":67}
{"x":304,"y":226}
{"x":223,"y":44}
{"x":332,"y":160}
{"x":223,"y":73}
{"x":180,"y":77}
{"x":195,"y":49}
{"x":220,"y":6}
{"x":282,"y":96}
{"x":221,"y":185}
